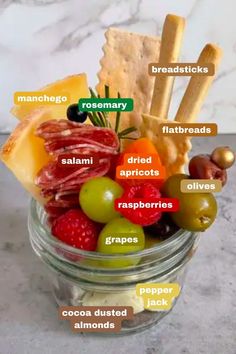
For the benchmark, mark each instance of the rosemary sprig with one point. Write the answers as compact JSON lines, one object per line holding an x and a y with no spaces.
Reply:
{"x":101,"y":119}
{"x":127,"y":138}
{"x":97,"y":118}
{"x":117,"y":118}
{"x":126,"y":132}
{"x":93,"y":119}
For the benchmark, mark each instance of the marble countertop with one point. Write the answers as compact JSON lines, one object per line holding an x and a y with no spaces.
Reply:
{"x":203,"y":321}
{"x":42,"y":41}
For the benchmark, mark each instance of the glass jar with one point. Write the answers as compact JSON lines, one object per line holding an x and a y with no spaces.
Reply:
{"x":82,"y":278}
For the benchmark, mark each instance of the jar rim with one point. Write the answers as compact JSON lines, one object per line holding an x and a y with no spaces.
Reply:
{"x":37,"y":215}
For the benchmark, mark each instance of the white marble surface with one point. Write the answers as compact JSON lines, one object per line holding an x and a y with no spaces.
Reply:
{"x":44,"y":40}
{"x":203,"y":321}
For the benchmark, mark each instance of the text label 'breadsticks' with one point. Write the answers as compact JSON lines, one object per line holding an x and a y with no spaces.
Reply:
{"x":183,"y":69}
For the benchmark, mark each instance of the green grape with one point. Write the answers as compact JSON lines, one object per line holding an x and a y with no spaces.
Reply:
{"x":116,"y":232}
{"x":97,"y":198}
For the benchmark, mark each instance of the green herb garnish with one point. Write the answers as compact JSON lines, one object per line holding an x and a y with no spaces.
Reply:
{"x":101,"y":119}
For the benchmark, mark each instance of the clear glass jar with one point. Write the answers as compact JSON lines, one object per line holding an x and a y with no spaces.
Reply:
{"x":81,"y":278}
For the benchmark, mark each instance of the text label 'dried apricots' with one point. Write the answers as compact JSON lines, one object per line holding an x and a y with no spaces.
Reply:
{"x":141,"y":166}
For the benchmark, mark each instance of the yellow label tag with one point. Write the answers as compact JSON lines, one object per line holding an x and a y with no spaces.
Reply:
{"x":200,"y":185}
{"x":158,"y":296}
{"x":40,"y":98}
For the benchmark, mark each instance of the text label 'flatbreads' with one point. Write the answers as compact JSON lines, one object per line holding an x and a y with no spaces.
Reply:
{"x":173,"y":150}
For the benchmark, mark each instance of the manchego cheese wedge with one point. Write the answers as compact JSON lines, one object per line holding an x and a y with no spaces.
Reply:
{"x":76,"y":86}
{"x":24,"y":153}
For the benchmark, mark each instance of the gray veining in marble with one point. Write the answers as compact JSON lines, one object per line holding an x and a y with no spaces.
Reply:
{"x":45,"y":40}
{"x":203,"y":321}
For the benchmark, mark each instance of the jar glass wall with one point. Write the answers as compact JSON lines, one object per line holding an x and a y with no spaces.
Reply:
{"x":82,"y":278}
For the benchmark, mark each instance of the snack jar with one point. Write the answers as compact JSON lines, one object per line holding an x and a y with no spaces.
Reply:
{"x":82,"y":278}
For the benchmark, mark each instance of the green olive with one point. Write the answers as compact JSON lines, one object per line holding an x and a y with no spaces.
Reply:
{"x":171,"y":186}
{"x":197,"y":210}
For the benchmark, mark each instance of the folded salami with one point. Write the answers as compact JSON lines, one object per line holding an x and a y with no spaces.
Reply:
{"x":62,"y":184}
{"x":62,"y":128}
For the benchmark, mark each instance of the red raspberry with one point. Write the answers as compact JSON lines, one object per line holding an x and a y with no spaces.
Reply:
{"x":75,"y":229}
{"x":141,"y":216}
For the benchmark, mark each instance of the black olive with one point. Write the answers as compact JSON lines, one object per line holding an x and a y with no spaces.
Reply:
{"x":163,"y":228}
{"x":75,"y":115}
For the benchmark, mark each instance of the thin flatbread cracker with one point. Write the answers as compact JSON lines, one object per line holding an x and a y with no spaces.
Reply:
{"x":173,"y":150}
{"x":124,"y":68}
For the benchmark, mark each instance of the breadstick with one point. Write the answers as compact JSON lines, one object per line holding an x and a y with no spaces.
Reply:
{"x":198,"y":86}
{"x":171,"y":40}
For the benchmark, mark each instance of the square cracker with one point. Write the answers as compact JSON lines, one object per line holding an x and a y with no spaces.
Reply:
{"x":124,"y":68}
{"x":173,"y":150}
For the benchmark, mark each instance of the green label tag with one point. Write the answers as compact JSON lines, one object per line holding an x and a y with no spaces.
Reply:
{"x":106,"y":104}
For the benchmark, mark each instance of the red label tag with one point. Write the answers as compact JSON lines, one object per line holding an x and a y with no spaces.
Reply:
{"x":159,"y":204}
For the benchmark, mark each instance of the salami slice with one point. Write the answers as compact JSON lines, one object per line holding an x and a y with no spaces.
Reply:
{"x":61,"y":184}
{"x":67,"y":196}
{"x":63,"y":145}
{"x":94,"y":151}
{"x":68,"y":200}
{"x":54,"y":211}
{"x":53,"y":177}
{"x":76,"y":180}
{"x":62,"y":202}
{"x":46,"y":193}
{"x":55,"y":129}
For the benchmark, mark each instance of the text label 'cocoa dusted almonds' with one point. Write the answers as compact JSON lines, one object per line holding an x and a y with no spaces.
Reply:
{"x":95,"y":318}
